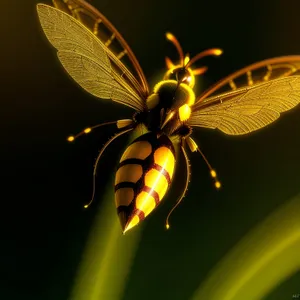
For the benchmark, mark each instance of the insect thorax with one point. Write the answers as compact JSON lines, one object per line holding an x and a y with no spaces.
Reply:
{"x":168,"y":94}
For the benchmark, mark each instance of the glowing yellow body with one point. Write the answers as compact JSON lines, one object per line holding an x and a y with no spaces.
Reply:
{"x":85,"y":50}
{"x":144,"y":175}
{"x":183,"y":94}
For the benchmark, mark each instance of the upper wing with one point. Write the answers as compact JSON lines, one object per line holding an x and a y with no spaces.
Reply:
{"x":91,"y":18}
{"x":247,"y":109}
{"x":262,"y":71}
{"x":86,"y":58}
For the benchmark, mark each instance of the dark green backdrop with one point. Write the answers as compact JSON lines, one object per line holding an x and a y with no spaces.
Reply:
{"x":45,"y":181}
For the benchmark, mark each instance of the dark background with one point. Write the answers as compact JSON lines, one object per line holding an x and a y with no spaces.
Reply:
{"x":45,"y":181}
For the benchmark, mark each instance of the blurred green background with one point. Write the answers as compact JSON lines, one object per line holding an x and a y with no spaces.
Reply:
{"x":46,"y":181}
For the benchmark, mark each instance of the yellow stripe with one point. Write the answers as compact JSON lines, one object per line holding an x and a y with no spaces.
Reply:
{"x":124,"y":196}
{"x":189,"y":94}
{"x":129,"y":173}
{"x":140,"y":150}
{"x":145,"y":202}
{"x":134,"y":221}
{"x":164,"y":157}
{"x":157,"y":182}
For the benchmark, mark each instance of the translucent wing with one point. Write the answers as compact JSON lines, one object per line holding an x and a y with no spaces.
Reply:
{"x":247,"y":109}
{"x":86,"y":58}
{"x":92,"y":19}
{"x":262,"y":71}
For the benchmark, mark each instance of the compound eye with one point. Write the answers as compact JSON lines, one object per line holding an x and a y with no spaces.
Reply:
{"x":182,"y":74}
{"x":173,"y":75}
{"x":170,"y":75}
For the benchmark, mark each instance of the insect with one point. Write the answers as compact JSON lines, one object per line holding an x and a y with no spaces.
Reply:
{"x":98,"y":58}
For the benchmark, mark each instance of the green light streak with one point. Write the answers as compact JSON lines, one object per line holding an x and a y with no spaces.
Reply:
{"x":107,"y":259}
{"x":261,"y":261}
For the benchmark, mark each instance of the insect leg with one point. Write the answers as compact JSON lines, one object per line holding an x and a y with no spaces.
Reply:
{"x":188,"y":174}
{"x":98,"y":159}
{"x":194,"y":147}
{"x":120,"y":124}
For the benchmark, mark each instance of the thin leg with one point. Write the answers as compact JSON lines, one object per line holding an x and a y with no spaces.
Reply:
{"x":120,"y":124}
{"x":194,"y":147}
{"x":188,"y":174}
{"x":97,"y":161}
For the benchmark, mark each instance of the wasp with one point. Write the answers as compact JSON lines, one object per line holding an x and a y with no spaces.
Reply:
{"x":98,"y":58}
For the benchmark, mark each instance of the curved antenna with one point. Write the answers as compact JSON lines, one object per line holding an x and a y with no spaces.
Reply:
{"x":175,"y":42}
{"x":188,"y":175}
{"x":213,"y":51}
{"x":97,"y":161}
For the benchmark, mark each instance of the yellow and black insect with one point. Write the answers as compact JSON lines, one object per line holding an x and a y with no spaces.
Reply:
{"x":95,"y":54}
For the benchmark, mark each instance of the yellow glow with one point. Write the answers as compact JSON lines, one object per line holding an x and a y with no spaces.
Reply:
{"x":145,"y":202}
{"x":189,"y":83}
{"x":86,"y":206}
{"x":169,"y":36}
{"x":191,"y":80}
{"x":166,"y":77}
{"x":218,"y":184}
{"x":186,"y":59}
{"x":164,"y":157}
{"x":87,"y":130}
{"x":213,"y":173}
{"x":165,"y":81}
{"x":184,"y":112}
{"x":157,"y":182}
{"x":188,"y":88}
{"x":192,"y":144}
{"x":168,"y":117}
{"x":167,"y":226}
{"x":134,"y":221}
{"x":70,"y":138}
{"x":169,"y":63}
{"x":140,"y":150}
{"x":218,"y":52}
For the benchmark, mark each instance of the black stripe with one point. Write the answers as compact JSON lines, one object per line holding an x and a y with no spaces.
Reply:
{"x":125,"y":184}
{"x":131,"y":161}
{"x":124,"y":208}
{"x":162,"y":171}
{"x":130,"y":212}
{"x":162,"y":141}
{"x":151,"y":192}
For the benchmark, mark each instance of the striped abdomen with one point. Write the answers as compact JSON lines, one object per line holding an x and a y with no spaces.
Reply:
{"x":143,"y":177}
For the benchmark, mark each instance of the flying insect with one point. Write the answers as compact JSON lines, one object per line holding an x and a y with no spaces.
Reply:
{"x":98,"y":58}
